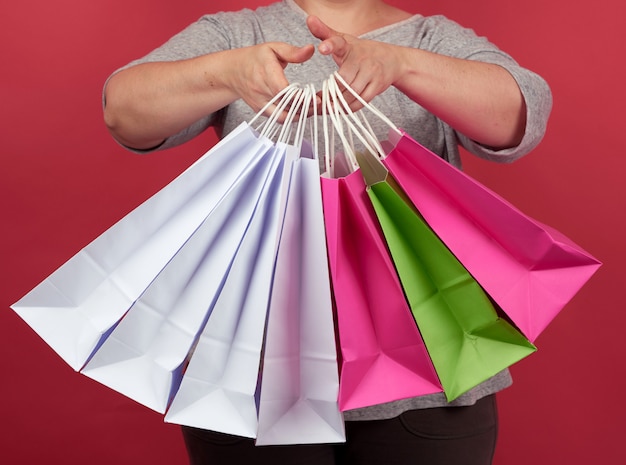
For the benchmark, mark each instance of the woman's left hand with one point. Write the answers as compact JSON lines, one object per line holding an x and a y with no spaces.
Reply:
{"x":478,"y":99}
{"x":367,"y":66}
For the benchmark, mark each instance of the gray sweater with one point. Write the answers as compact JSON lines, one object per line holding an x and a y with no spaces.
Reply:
{"x":285,"y":22}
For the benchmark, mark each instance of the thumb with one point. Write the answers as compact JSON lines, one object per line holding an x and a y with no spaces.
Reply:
{"x":291,"y":54}
{"x":319,"y":29}
{"x":333,"y":42}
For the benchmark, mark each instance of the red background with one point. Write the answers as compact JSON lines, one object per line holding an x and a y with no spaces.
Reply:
{"x":63,"y":181}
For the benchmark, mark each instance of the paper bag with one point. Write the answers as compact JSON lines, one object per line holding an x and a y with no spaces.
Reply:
{"x":531,"y":270}
{"x":75,"y":308}
{"x":300,"y":380}
{"x":218,"y":390}
{"x":466,"y":339}
{"x":383,"y":357}
{"x":145,"y":354}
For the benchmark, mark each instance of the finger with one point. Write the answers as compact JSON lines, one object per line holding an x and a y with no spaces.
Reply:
{"x":272,"y":110}
{"x":366,"y":95}
{"x":361,"y":84}
{"x":365,"y":86}
{"x":333,"y":42}
{"x":319,"y":29}
{"x":335,"y":45}
{"x":290,"y":54}
{"x":356,"y":84}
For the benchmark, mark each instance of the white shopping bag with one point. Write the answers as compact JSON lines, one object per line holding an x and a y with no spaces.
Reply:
{"x":74,"y":309}
{"x":218,"y":390}
{"x":144,"y":355}
{"x":300,"y":383}
{"x":170,"y":305}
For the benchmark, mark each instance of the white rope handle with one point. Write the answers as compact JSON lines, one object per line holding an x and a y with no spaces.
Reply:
{"x":364,"y":134}
{"x":365,"y":104}
{"x":272,"y":102}
{"x":340,"y":114}
{"x":270,"y":126}
{"x":297,"y":100}
{"x":329,"y":139}
{"x":314,"y":127}
{"x":302,"y":111}
{"x":294,"y":107}
{"x":337,"y":117}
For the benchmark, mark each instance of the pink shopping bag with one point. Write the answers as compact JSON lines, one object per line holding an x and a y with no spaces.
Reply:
{"x":531,"y":270}
{"x":383,"y":357}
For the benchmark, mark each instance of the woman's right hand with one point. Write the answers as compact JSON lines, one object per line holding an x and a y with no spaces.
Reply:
{"x":260,"y":74}
{"x":149,"y":102}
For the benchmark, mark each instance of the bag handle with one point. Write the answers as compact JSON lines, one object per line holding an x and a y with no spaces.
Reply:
{"x":270,"y":127}
{"x":329,"y":112}
{"x":296,"y":100}
{"x":347,"y":123}
{"x":365,"y":104}
{"x":361,"y":129}
{"x":299,"y":111}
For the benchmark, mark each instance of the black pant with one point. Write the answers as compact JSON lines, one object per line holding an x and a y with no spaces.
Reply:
{"x":438,"y":436}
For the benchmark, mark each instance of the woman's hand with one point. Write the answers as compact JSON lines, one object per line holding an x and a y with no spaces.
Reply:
{"x":480,"y":100}
{"x":367,"y":66}
{"x":259,"y":75}
{"x":149,"y":102}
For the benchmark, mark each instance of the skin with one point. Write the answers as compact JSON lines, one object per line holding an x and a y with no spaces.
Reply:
{"x":147,"y":103}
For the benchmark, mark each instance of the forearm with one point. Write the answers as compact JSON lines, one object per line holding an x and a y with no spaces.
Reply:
{"x":480,"y":100}
{"x":149,"y":102}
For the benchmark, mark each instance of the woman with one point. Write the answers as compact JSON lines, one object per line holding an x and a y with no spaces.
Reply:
{"x":438,"y":81}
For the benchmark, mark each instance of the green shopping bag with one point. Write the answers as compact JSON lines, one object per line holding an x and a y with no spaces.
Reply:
{"x":466,"y":339}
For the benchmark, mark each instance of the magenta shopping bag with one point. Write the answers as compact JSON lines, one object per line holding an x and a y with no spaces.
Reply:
{"x":383,"y":357}
{"x":530,"y":270}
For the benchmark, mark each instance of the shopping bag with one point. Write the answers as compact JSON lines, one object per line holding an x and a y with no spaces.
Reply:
{"x":466,"y":339}
{"x":300,"y":379}
{"x":538,"y":270}
{"x":74,"y":309}
{"x":383,"y":357}
{"x":146,"y":352}
{"x":231,"y":250}
{"x":218,"y":389}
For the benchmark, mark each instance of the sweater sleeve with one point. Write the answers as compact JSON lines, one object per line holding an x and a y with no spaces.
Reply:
{"x":449,"y":38}
{"x":538,"y":99}
{"x":209,"y":34}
